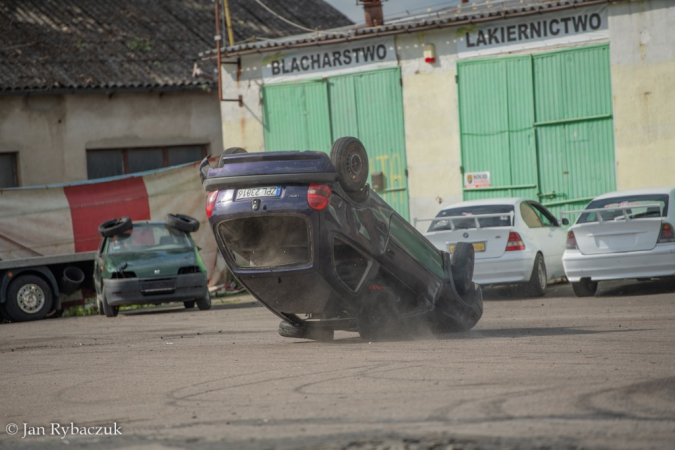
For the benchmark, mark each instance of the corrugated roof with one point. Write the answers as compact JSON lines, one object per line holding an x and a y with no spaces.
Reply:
{"x":473,"y":12}
{"x":84,"y":45}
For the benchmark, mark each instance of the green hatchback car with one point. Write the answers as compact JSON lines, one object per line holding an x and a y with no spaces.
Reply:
{"x":149,"y":262}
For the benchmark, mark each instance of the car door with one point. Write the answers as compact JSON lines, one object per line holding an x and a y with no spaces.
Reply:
{"x":548,"y":234}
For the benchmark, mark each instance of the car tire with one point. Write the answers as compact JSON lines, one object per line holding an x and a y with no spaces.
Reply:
{"x":204,"y":304}
{"x":181,"y":222}
{"x":462,"y":265}
{"x":113,"y":227}
{"x":189,"y":305}
{"x":460,"y":316}
{"x":536,"y":286}
{"x":585,"y":288}
{"x":29,"y":297}
{"x":314,"y":333}
{"x":350,"y":159}
{"x":230,"y":151}
{"x":108,"y":310}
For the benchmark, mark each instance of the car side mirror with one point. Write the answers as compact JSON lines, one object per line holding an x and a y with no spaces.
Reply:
{"x":565,"y":221}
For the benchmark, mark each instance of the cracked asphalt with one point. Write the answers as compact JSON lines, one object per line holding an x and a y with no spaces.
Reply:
{"x":556,"y":372}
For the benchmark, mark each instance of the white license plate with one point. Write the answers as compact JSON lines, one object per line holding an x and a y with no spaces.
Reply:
{"x":273,"y":191}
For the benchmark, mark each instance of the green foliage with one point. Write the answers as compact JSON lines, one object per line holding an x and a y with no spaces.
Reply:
{"x":139,"y":45}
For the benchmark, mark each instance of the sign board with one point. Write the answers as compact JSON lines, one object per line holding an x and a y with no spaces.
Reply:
{"x":540,"y":30}
{"x":322,"y":61}
{"x":473,"y":180}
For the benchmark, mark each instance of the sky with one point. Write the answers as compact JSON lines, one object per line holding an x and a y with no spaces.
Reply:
{"x":391,"y":7}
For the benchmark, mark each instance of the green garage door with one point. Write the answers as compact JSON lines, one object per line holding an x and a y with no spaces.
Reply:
{"x":311,"y":115}
{"x":541,"y":125}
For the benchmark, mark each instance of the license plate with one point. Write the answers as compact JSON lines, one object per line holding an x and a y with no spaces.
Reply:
{"x":477,"y":247}
{"x":270,"y":191}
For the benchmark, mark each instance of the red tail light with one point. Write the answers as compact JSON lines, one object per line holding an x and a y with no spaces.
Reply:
{"x":666,"y":234}
{"x":211,"y":203}
{"x":318,"y":196}
{"x":571,"y":241}
{"x":515,"y":242}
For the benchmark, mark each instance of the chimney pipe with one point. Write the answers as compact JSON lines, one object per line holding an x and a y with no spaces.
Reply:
{"x":373,"y":11}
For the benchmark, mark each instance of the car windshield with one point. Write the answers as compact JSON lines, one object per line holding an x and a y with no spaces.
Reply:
{"x":501,"y":219}
{"x":637,"y":207}
{"x":144,"y":237}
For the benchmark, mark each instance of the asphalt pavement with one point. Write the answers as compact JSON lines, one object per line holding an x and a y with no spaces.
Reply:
{"x":556,"y":372}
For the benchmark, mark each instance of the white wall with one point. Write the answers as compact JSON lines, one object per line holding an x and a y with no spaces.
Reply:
{"x":51,"y":133}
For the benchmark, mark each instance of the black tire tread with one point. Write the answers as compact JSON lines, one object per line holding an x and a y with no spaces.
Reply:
{"x":182,"y":222}
{"x":113,"y":227}
{"x":11,"y":307}
{"x":339,"y":152}
{"x":462,"y":265}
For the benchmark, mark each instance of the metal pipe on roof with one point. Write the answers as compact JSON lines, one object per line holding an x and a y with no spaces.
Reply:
{"x":370,"y":34}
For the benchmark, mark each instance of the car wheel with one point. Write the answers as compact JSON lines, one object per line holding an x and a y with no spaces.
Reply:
{"x":350,"y":159}
{"x":182,"y":222}
{"x":109,"y":311}
{"x":230,"y":151}
{"x":29,"y":297}
{"x":462,"y":264}
{"x":538,"y":280}
{"x":113,"y":227}
{"x":190,"y":304}
{"x":460,"y":316}
{"x":204,"y":303}
{"x":314,"y":333}
{"x":585,"y":288}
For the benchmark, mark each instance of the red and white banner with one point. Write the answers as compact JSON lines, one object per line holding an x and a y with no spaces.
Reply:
{"x":63,"y":219}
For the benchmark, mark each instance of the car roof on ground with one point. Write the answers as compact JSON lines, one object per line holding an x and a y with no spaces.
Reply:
{"x":642,"y":191}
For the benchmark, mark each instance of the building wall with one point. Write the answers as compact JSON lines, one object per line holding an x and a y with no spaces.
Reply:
{"x":51,"y":133}
{"x":431,"y":122}
{"x":642,"y":55}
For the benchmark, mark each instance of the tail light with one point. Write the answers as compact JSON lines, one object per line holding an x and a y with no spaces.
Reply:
{"x":571,"y":241}
{"x":515,"y":242}
{"x":318,"y":196}
{"x":211,"y":203}
{"x":666,"y":234}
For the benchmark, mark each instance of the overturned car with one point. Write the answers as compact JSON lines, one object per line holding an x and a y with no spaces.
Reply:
{"x":306,"y":236}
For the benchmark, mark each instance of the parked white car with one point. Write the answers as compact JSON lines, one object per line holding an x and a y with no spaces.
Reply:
{"x":625,"y":234}
{"x":516,"y":240}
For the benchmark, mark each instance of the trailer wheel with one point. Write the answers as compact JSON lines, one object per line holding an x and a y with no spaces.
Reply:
{"x":113,"y":227}
{"x":462,"y":263}
{"x":350,"y":159}
{"x":182,"y":222}
{"x":230,"y":151}
{"x":29,"y":297}
{"x":108,"y":310}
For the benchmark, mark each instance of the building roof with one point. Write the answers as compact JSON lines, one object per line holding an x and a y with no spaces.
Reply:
{"x":476,"y":11}
{"x":131,"y":45}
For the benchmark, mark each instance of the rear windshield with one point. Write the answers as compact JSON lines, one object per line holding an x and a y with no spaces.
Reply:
{"x":147,"y":237}
{"x":268,"y":241}
{"x":640,"y":206}
{"x":504,"y":220}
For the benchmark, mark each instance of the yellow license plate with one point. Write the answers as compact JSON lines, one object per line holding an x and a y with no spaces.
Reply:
{"x":477,"y":247}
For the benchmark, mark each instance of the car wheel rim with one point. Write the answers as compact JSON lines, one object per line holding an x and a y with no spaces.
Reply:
{"x":30,"y":298}
{"x":541,"y":274}
{"x":354,"y":165}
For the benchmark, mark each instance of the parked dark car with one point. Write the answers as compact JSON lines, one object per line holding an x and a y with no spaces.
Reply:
{"x":306,"y":235}
{"x":149,"y":263}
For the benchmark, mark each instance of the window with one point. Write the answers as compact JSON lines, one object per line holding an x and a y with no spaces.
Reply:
{"x":641,"y":206}
{"x":469,"y":211}
{"x":545,"y":217}
{"x":530,"y":217}
{"x":8,"y":171}
{"x":112,"y":162}
{"x":350,"y":265}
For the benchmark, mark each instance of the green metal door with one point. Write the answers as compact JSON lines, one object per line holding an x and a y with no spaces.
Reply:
{"x":540,"y":124}
{"x":369,"y":106}
{"x":574,"y":126}
{"x":296,"y":117}
{"x":496,"y":116}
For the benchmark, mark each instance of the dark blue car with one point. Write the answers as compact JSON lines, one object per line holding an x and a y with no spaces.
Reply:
{"x":307,"y":237}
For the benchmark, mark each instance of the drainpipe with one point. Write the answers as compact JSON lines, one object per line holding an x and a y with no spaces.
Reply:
{"x":373,"y":11}
{"x":218,"y":39}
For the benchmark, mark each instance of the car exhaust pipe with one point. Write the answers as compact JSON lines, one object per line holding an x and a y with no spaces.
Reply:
{"x":71,"y":280}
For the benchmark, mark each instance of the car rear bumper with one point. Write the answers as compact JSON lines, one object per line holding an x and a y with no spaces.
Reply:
{"x":511,"y":267}
{"x":130,"y":291}
{"x":658,"y":262}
